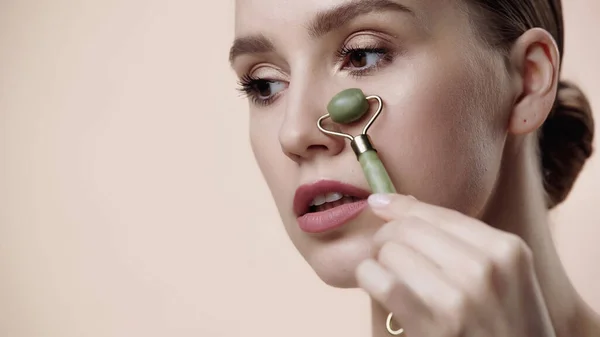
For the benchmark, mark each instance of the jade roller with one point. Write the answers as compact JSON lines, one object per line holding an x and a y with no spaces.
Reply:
{"x":347,"y":107}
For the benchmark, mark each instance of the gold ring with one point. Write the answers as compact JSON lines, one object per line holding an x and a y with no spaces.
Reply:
{"x":388,"y":325}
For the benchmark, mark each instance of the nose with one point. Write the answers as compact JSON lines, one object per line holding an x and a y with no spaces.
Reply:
{"x":299,"y":136}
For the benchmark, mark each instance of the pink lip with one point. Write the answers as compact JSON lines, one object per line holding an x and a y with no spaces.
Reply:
{"x":330,"y":219}
{"x":319,"y":222}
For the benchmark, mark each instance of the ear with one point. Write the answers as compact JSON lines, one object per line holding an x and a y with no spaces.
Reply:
{"x":535,"y":59}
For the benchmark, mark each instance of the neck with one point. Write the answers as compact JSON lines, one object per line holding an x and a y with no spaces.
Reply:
{"x":519,"y":207}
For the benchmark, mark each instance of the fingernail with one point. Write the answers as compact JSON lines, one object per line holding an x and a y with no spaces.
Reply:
{"x":379,"y":200}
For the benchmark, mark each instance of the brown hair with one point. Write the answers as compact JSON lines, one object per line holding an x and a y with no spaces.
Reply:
{"x":565,"y":139}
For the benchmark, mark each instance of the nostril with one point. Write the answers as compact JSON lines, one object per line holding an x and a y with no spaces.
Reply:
{"x":317,"y":147}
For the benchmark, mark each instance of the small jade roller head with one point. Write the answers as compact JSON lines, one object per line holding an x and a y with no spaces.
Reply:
{"x":348,"y":106}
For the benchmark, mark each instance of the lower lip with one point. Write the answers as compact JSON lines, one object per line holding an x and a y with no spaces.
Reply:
{"x":332,"y":218}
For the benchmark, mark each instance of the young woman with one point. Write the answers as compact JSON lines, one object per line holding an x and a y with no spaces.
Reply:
{"x":480,"y":137}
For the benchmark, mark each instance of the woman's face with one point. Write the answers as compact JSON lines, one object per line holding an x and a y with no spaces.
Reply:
{"x":441,"y":134}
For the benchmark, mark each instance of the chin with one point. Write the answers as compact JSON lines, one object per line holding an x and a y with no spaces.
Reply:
{"x":335,"y":261}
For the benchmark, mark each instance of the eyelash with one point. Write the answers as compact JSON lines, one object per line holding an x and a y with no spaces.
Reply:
{"x":248,"y":83}
{"x":247,"y":86}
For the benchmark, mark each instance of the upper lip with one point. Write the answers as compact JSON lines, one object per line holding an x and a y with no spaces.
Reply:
{"x":306,"y":193}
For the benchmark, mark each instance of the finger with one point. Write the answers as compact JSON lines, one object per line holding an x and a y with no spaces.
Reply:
{"x":394,"y":206}
{"x":465,"y":265}
{"x":426,"y":280}
{"x":410,"y":313}
{"x":505,"y":250}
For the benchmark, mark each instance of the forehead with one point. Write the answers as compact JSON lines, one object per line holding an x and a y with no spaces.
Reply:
{"x":260,"y":16}
{"x":256,"y":15}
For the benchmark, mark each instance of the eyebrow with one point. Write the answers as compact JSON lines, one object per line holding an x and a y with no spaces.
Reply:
{"x":322,"y":24}
{"x":255,"y":44}
{"x":337,"y":17}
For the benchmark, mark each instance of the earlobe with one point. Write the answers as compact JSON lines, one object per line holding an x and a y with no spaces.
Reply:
{"x":535,"y":58}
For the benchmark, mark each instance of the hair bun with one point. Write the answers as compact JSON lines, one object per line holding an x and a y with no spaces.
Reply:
{"x":566,"y":142}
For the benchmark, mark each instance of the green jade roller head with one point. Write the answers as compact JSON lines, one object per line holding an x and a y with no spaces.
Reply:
{"x":347,"y":107}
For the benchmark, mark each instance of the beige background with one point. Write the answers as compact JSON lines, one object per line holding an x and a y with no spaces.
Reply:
{"x":130,"y":204}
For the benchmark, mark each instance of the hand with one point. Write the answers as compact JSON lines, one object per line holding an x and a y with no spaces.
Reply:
{"x":442,"y":273}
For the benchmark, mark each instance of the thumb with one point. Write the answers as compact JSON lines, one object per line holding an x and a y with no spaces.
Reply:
{"x":390,"y":206}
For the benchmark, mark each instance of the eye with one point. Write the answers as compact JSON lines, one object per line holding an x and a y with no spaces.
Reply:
{"x":265,"y":89}
{"x":359,"y":61}
{"x":363,"y":58}
{"x":261,"y":91}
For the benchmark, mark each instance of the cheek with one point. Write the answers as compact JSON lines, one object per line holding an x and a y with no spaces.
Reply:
{"x":441,"y":138}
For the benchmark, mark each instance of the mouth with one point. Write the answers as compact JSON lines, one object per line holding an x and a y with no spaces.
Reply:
{"x":330,"y":200}
{"x":324,"y":195}
{"x":327,"y":204}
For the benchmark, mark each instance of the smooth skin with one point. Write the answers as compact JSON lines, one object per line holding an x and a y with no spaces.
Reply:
{"x":473,"y":256}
